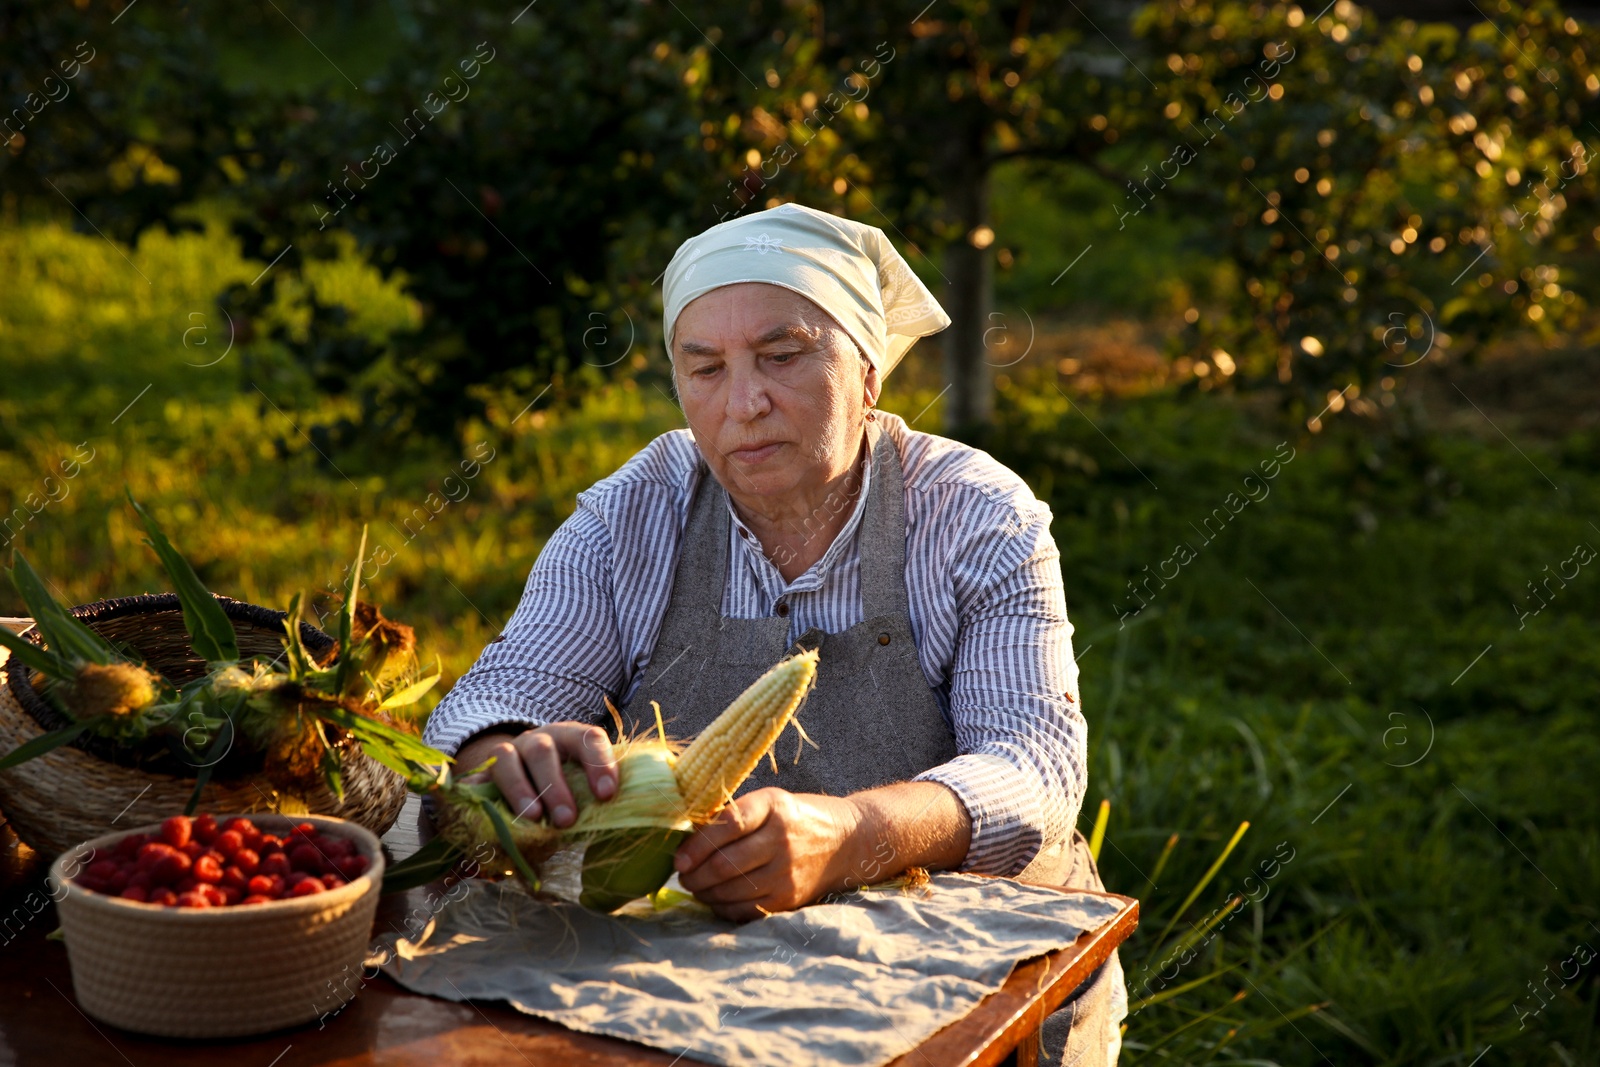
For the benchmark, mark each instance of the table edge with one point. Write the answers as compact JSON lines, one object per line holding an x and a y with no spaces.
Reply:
{"x":1042,"y":984}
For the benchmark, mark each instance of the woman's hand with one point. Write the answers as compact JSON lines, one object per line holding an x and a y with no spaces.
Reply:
{"x":770,"y":850}
{"x":527,"y":767}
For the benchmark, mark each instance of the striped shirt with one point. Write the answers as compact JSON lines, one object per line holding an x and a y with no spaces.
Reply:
{"x":988,"y":614}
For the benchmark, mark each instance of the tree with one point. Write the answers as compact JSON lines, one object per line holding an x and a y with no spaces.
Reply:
{"x":957,"y":89}
{"x":527,"y":179}
{"x":1387,"y":193}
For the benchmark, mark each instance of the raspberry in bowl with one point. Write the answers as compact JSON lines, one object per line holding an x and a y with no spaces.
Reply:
{"x":219,"y":925}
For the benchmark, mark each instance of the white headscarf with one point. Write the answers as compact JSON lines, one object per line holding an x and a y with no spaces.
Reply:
{"x":848,"y":269}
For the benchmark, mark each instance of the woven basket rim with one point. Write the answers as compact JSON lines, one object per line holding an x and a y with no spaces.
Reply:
{"x":371,"y":847}
{"x":48,"y":718}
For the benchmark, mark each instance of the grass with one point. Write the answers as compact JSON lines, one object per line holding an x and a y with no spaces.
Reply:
{"x":1423,"y":826}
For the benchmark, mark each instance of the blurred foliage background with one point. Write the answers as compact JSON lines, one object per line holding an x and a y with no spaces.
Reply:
{"x":289,"y":268}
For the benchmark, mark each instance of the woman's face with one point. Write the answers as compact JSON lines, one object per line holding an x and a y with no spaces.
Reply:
{"x":773,"y":388}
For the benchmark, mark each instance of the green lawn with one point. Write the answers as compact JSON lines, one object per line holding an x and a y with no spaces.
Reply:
{"x":1340,"y":663}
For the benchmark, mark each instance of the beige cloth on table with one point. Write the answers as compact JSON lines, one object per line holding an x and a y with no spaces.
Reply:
{"x":857,"y":982}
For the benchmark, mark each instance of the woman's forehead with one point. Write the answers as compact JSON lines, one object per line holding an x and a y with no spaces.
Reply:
{"x":749,"y":313}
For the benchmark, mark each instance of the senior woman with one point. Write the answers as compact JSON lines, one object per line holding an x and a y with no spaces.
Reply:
{"x":790,"y":512}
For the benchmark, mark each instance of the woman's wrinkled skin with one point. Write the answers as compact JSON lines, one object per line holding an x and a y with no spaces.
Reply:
{"x":776,"y":394}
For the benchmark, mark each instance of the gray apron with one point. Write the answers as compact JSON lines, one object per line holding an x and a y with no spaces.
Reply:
{"x":871,"y":712}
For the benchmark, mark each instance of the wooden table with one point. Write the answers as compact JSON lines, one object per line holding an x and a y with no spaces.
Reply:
{"x":41,"y":1024}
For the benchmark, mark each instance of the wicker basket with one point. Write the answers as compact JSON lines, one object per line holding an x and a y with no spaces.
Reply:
{"x":217,"y":972}
{"x":87,"y":789}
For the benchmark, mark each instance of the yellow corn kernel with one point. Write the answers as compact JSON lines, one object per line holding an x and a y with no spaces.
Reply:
{"x":722,"y":757}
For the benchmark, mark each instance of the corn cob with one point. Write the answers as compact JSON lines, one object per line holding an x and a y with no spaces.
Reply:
{"x":631,"y":838}
{"x":722,"y":757}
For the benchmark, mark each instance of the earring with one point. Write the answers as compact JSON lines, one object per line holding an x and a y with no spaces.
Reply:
{"x":872,"y":416}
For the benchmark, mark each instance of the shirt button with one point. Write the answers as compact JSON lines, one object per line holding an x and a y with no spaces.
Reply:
{"x":883,"y":639}
{"x":782,"y":609}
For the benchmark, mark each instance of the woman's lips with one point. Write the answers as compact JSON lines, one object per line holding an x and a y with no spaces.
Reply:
{"x":755,"y":453}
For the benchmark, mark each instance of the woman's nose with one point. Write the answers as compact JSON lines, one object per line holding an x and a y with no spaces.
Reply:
{"x":747,"y":396}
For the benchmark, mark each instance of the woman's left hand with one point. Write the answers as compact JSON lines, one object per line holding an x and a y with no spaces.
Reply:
{"x":770,"y":850}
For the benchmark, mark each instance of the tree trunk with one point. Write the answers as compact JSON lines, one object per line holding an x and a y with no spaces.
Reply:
{"x":969,"y":291}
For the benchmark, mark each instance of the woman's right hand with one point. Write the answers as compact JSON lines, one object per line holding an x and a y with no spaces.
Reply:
{"x":527,"y":767}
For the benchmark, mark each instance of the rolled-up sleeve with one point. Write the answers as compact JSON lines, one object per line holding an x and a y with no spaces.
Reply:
{"x":558,"y":658}
{"x":1022,"y":768}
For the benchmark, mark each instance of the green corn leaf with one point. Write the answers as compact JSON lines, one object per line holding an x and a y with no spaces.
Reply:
{"x":624,"y":865}
{"x":411,"y":693}
{"x":210,"y":630}
{"x":61,"y":632}
{"x":45,"y":743}
{"x":218,"y":749}
{"x":347,"y":617}
{"x":332,"y":773}
{"x":429,"y":863}
{"x":368,"y":730}
{"x":299,"y":660}
{"x":419,"y":778}
{"x":508,"y":844}
{"x":31,"y":655}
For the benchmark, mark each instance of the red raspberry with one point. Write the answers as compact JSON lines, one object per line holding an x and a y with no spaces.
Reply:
{"x":213,"y":894}
{"x":306,"y":886}
{"x":268,"y":885}
{"x":332,"y":881}
{"x":192,"y":849}
{"x":256,"y":898}
{"x":277,"y":863}
{"x":352,"y":867}
{"x":247,"y":861}
{"x":306,"y":858}
{"x":228,"y":842}
{"x":102,"y":870}
{"x":336,"y":848}
{"x":267,"y":843}
{"x":119,"y":879}
{"x":306,"y":829}
{"x":185,"y":885}
{"x":93,"y":885}
{"x":205,"y":827}
{"x":207,"y":869}
{"x":134,"y":892}
{"x":235,"y":878}
{"x":192,"y":899}
{"x":139,"y":879}
{"x":151,"y":854}
{"x":164,"y":897}
{"x":129,"y":846}
{"x":177,"y":830}
{"x":170,"y":868}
